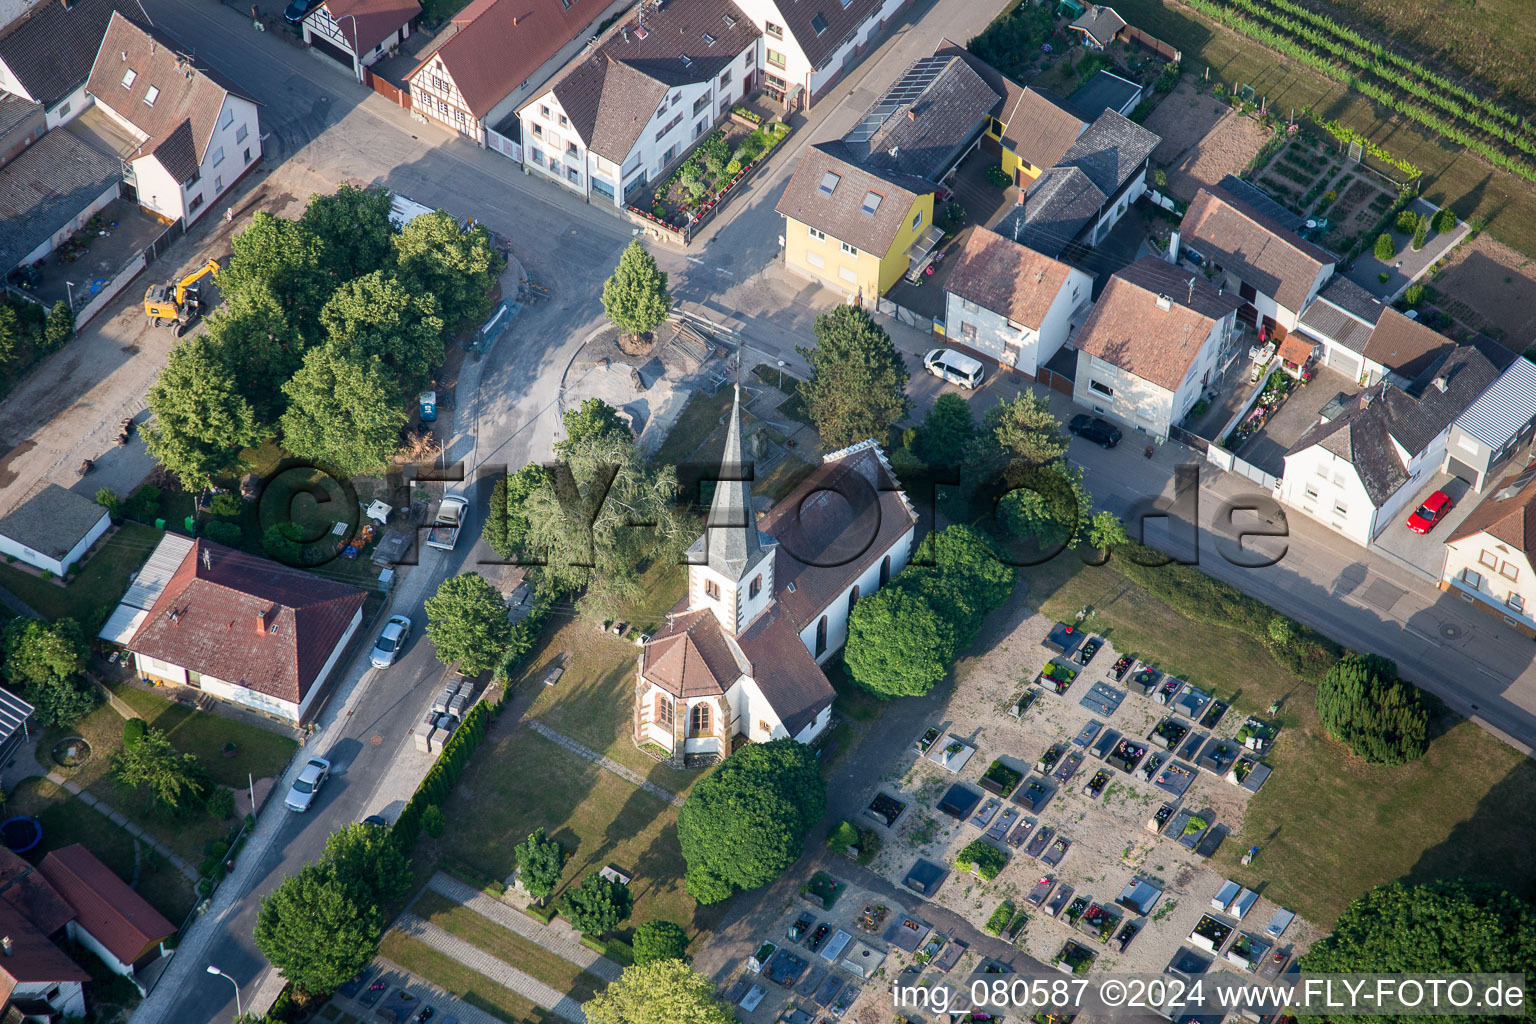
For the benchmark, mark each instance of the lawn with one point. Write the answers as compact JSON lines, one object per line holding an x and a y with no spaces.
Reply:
{"x":98,"y":584}
{"x":451,"y":976}
{"x":258,"y":752}
{"x":506,"y":946}
{"x":520,"y":781}
{"x":1328,"y":826}
{"x":67,"y":820}
{"x":1451,"y":176}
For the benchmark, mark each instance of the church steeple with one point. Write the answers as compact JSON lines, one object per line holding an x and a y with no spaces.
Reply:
{"x":731,"y":529}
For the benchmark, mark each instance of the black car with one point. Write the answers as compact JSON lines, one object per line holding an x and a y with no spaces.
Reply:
{"x":299,"y":10}
{"x":1091,"y":428}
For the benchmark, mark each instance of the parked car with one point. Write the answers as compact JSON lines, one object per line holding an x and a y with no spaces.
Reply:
{"x":316,"y":770}
{"x":376,"y":820}
{"x":391,"y":640}
{"x":297,"y":11}
{"x":1091,"y":428}
{"x":1434,"y":509}
{"x":947,"y":364}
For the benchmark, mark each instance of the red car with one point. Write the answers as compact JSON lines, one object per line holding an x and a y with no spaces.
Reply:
{"x":1434,"y":509}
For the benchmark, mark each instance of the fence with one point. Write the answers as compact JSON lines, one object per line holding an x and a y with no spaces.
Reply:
{"x":387,"y":89}
{"x":494,"y":140}
{"x":111,"y":290}
{"x":1221,"y":458}
{"x":1152,"y":43}
{"x":157,"y":248}
{"x":904,"y":315}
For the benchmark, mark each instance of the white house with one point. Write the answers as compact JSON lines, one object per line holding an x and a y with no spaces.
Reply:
{"x":1494,"y":427}
{"x":356,"y":33}
{"x":651,"y":87}
{"x":1341,"y":320}
{"x":34,"y":970}
{"x":1488,"y":559}
{"x":1356,"y":470}
{"x":1275,"y":270}
{"x":46,"y":53}
{"x":239,"y":628}
{"x":1012,"y":304}
{"x":110,"y":919}
{"x":768,"y":602}
{"x":53,"y":529}
{"x":1151,"y":345}
{"x":197,"y":132}
{"x":808,"y":44}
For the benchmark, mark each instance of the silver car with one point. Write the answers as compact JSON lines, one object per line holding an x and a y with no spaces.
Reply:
{"x":393,"y":637}
{"x":316,"y":770}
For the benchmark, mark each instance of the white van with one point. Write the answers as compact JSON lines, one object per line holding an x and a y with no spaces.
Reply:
{"x":947,"y":364}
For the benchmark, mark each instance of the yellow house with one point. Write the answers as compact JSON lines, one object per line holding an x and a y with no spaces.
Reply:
{"x":1035,"y":130}
{"x":858,"y":212}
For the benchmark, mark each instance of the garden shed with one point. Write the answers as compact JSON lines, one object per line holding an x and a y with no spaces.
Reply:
{"x":52,"y":529}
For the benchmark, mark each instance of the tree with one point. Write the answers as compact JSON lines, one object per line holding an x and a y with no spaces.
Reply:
{"x":201,"y":419}
{"x":659,"y":940}
{"x":946,"y":431}
{"x":259,"y":347}
{"x":898,"y":646}
{"x":1049,"y":503}
{"x":592,"y":419}
{"x":597,"y":905}
{"x":506,"y":522}
{"x":354,"y":231}
{"x":540,"y":861}
{"x":1444,"y":220}
{"x":10,"y":334}
{"x":1441,"y":927}
{"x":37,"y":651}
{"x":433,"y":822}
{"x":1105,"y":531}
{"x":744,"y":824}
{"x":177,"y":782}
{"x":343,"y":412}
{"x":59,"y":328}
{"x":661,"y":992}
{"x":1364,"y":705}
{"x":313,"y":929}
{"x":858,"y":381}
{"x":467,"y":623}
{"x":368,"y":863}
{"x":282,"y":260}
{"x":377,"y":316}
{"x":1386,"y":249}
{"x":62,"y":700}
{"x":1420,"y":233}
{"x":456,"y":264}
{"x":960,"y":574}
{"x":1023,"y":431}
{"x":283,"y":542}
{"x":636,"y":297}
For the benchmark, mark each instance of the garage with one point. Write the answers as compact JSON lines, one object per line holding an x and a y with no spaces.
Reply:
{"x":331,"y":50}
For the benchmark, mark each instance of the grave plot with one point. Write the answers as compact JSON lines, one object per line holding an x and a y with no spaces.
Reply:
{"x":796,"y":1015}
{"x":907,"y":933}
{"x":1068,"y":767}
{"x":953,"y":754}
{"x":834,"y":949}
{"x":1000,"y":779}
{"x":1248,"y":951}
{"x":1090,"y":648}
{"x":819,"y":936}
{"x":1188,"y":962}
{"x":885,"y":809}
{"x":925,"y":877}
{"x":1191,"y":703}
{"x":1217,"y":756}
{"x":1189,"y":750}
{"x":872,"y":917}
{"x":823,"y":890}
{"x":951,"y":955}
{"x":1126,"y":754}
{"x":1102,"y":699}
{"x":1168,"y":733}
{"x":1159,"y":819}
{"x":1145,"y":679}
{"x":784,"y":969}
{"x":1059,"y":901}
{"x":999,"y":828}
{"x":1074,"y":958}
{"x":841,"y":1004}
{"x":1188,"y":829}
{"x":1278,"y":924}
{"x":1211,"y":933}
{"x":983,"y":817}
{"x":1167,"y":689}
{"x":1129,"y":932}
{"x":1020,"y":833}
{"x":1271,"y":967}
{"x":1039,"y":891}
{"x":1019,"y":707}
{"x":1086,"y":734}
{"x":1076,"y":908}
{"x":936,"y":942}
{"x":1106,"y":742}
{"x":926,"y":741}
{"x":1121,"y":666}
{"x":1042,"y":839}
{"x":1063,"y":639}
{"x":1212,"y":841}
{"x":1099,"y":922}
{"x":810,"y":983}
{"x":1034,"y":795}
{"x":1096,"y":784}
{"x":1257,"y":735}
{"x":1139,"y":896}
{"x":959,"y":801}
{"x":1214,"y":714}
{"x":1057,"y":676}
{"x":1150,"y":766}
{"x":1057,"y":850}
{"x":1175,"y":779}
{"x":1047,"y":762}
{"x":801,"y":927}
{"x":828,"y":990}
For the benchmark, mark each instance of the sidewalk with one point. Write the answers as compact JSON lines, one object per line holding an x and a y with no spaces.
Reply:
{"x":117,"y":818}
{"x":557,"y":937}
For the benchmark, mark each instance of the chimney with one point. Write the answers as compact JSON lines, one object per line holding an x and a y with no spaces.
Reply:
{"x":5,"y":945}
{"x":514,"y":21}
{"x":911,"y":113}
{"x":1365,"y":400}
{"x":1164,"y":302}
{"x":1440,"y":382}
{"x":1191,"y":299}
{"x":261,"y":622}
{"x":1173,"y":246}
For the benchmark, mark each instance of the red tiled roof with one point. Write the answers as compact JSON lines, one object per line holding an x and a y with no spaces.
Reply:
{"x":374,"y":20}
{"x":1510,"y":518}
{"x":205,"y":620}
{"x":26,"y":889}
{"x":1262,"y":253}
{"x":112,"y":913}
{"x":32,"y":958}
{"x":690,"y":656}
{"x":1005,"y":277}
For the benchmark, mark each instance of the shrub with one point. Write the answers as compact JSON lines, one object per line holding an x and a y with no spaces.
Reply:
{"x":842,"y":837}
{"x":1364,"y":705}
{"x":1444,"y":220}
{"x":732,"y":167}
{"x":659,"y":940}
{"x":1000,"y":919}
{"x":133,"y":732}
{"x":997,"y":176}
{"x":226,"y":505}
{"x":1414,"y":294}
{"x":432,"y":821}
{"x":223,"y":532}
{"x":1386,"y":249}
{"x":144,"y":505}
{"x":220,"y":803}
{"x":983,"y":858}
{"x":107,"y":498}
{"x":1407,"y":222}
{"x":1420,"y":233}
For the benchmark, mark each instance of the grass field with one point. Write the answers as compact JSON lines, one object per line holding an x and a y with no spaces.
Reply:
{"x":98,"y":584}
{"x":452,"y":976}
{"x":1328,"y":826}
{"x":1474,"y":189}
{"x":508,"y":947}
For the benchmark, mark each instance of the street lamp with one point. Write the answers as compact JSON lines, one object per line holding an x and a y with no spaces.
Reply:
{"x":70,"y":286}
{"x":357,"y":58}
{"x":214,"y":970}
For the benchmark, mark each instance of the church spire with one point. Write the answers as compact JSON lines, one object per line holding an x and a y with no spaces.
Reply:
{"x":731,"y":529}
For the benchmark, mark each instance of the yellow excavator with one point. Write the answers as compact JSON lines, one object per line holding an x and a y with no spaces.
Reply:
{"x":178,"y":304}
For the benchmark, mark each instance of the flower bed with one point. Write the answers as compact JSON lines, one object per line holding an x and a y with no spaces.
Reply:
{"x":923,"y":745}
{"x":1146,"y":677}
{"x":1076,"y":909}
{"x":1057,"y":677}
{"x":1097,"y":783}
{"x":1169,"y":733}
{"x":1276,"y":390}
{"x":1048,"y":759}
{"x":1160,"y":819}
{"x":886,"y":809}
{"x":718,"y":163}
{"x":823,"y":890}
{"x":1100,"y":922}
{"x":1211,"y":930}
{"x":1122,"y":666}
{"x":1000,"y":779}
{"x":982,"y":859}
{"x":1022,"y":704}
{"x":1000,"y":919}
{"x":1127,"y":755}
{"x":1074,"y":958}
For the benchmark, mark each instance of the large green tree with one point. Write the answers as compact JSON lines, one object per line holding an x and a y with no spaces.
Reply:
{"x":458,"y":265}
{"x":201,"y":418}
{"x":593,"y":418}
{"x":260,"y":348}
{"x":377,"y":316}
{"x":289,"y":260}
{"x":1365,"y":706}
{"x":947,"y":430}
{"x":540,"y":861}
{"x":898,"y":646}
{"x":1049,"y":503}
{"x":175,"y":781}
{"x":635,"y":297}
{"x":46,"y":662}
{"x":368,"y":862}
{"x":314,"y":930}
{"x":598,"y":905}
{"x":506,"y":520}
{"x":353,"y":229}
{"x":343,"y":412}
{"x":1444,"y":926}
{"x":467,"y":623}
{"x":662,"y":992}
{"x":659,"y":940}
{"x":1021,"y":429}
{"x":743,"y":825}
{"x":858,"y":381}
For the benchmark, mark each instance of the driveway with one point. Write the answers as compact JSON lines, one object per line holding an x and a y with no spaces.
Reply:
{"x":1267,"y":448}
{"x":1425,"y":553}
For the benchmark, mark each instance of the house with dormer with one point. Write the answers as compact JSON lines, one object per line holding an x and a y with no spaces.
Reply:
{"x":768,"y":603}
{"x":808,"y":44}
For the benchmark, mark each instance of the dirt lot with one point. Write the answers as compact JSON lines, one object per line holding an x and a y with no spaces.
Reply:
{"x":1203,"y":140}
{"x":1109,"y":840}
{"x":1492,"y":288}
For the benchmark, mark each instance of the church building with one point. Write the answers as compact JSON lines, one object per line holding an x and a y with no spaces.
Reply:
{"x":768,"y":603}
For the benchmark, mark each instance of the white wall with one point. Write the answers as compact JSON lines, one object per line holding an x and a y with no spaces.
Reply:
{"x":57,"y":566}
{"x":837,"y":611}
{"x":1487,"y":582}
{"x":67,"y":109}
{"x":234,"y":146}
{"x":339,"y":33}
{"x":1029,"y":349}
{"x":70,"y":1001}
{"x":90,"y":942}
{"x":76,"y":223}
{"x":1142,"y":405}
{"x":1110,"y":215}
{"x":816,"y":727}
{"x":1319,"y":483}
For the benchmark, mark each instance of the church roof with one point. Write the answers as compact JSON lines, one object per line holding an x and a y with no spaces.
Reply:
{"x":731,"y":544}
{"x":785,"y":672}
{"x":691,"y":656}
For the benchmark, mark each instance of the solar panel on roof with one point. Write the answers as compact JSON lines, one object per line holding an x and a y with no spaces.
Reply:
{"x":907,"y":88}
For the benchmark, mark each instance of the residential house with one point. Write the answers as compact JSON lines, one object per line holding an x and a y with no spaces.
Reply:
{"x":356,"y":33}
{"x":1494,"y":427}
{"x":1081,"y":198}
{"x":53,"y":529}
{"x":46,"y":55}
{"x":242,"y":629}
{"x":1152,"y":345}
{"x":634,"y":103}
{"x":50,"y":184}
{"x":1356,"y":470}
{"x":1011,"y":304}
{"x":107,"y":916}
{"x":38,"y":980}
{"x":1341,"y":320}
{"x":808,"y":44}
{"x":198,"y":133}
{"x":1488,"y":558}
{"x":500,"y":52}
{"x":1098,"y":26}
{"x":768,"y":603}
{"x":1273,"y":268}
{"x":1106,"y":91}
{"x":858,"y":211}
